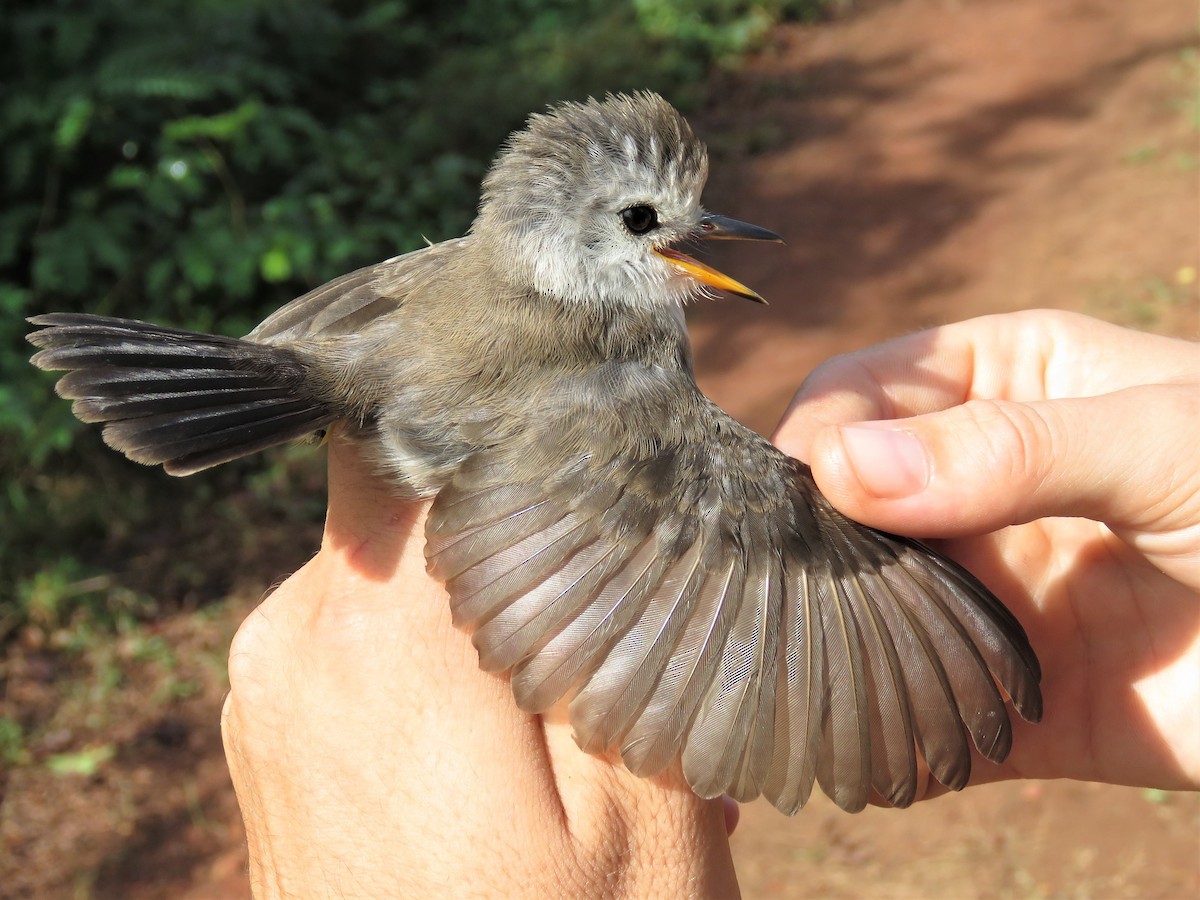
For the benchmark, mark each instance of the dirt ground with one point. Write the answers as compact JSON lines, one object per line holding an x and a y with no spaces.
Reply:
{"x":927,"y":161}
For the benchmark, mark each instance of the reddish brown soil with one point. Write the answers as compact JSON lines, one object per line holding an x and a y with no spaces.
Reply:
{"x":933,"y":160}
{"x":927,"y":160}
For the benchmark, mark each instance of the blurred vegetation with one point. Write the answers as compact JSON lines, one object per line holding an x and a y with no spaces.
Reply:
{"x":199,"y":163}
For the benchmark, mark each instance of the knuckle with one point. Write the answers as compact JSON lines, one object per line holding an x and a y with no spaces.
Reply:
{"x":1020,"y":443}
{"x":255,"y":645}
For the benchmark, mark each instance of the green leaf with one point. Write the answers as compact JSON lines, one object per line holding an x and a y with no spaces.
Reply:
{"x":84,"y":763}
{"x":275,"y":265}
{"x":221,"y":127}
{"x":74,"y":123}
{"x":198,"y":265}
{"x":128,"y":177}
{"x":12,"y":742}
{"x":13,"y":300}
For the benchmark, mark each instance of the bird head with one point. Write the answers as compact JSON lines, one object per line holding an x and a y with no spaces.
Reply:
{"x":590,"y":202}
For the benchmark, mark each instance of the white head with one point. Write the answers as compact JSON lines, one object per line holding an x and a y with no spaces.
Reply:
{"x":585,"y":202}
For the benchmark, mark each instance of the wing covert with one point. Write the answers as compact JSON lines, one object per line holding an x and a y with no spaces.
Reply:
{"x":349,"y":303}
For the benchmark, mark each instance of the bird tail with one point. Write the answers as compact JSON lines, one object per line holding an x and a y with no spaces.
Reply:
{"x":180,"y":399}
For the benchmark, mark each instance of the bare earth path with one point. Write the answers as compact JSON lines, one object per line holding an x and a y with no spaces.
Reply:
{"x":927,"y":161}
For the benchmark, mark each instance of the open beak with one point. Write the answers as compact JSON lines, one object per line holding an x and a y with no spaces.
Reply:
{"x":720,"y":228}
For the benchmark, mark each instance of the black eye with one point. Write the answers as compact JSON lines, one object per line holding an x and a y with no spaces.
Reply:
{"x":640,"y":219}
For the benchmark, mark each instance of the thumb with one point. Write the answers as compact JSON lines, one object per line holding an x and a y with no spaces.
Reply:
{"x":1125,"y":458}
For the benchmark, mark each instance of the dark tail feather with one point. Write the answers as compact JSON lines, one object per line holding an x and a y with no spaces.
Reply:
{"x":180,"y":399}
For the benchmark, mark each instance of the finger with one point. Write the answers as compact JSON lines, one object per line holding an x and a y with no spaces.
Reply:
{"x":653,"y":836}
{"x":733,"y":813}
{"x":987,"y":464}
{"x":1024,"y":356}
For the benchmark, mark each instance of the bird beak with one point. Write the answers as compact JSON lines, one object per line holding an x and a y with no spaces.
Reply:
{"x":723,"y":228}
{"x":720,"y":228}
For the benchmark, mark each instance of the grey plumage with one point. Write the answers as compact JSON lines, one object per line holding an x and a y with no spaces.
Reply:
{"x":607,"y":534}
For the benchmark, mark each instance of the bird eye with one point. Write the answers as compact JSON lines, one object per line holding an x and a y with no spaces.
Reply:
{"x":640,"y":219}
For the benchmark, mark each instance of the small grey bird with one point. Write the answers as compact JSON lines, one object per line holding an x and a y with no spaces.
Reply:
{"x":605,"y":532}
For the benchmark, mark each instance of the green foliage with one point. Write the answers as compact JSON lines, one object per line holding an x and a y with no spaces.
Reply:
{"x":200,"y":163}
{"x":84,"y":763}
{"x":12,"y":742}
{"x":719,"y":30}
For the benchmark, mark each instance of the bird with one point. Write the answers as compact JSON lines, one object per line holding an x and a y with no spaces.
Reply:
{"x":608,"y":536}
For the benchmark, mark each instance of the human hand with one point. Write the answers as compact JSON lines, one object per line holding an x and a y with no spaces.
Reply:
{"x":372,"y":757}
{"x":1043,"y":414}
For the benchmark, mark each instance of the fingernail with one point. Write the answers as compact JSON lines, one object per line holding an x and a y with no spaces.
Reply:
{"x":890,"y":463}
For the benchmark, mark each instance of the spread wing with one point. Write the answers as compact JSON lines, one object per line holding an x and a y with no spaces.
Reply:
{"x":347,"y":304}
{"x":708,"y":605}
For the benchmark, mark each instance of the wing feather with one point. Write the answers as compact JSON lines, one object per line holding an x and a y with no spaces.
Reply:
{"x":719,"y":740}
{"x":989,"y":625}
{"x":348,"y":304}
{"x":759,"y":706}
{"x":936,"y":725}
{"x":844,"y":764}
{"x":481,"y":591}
{"x":801,"y":694}
{"x":893,"y":758}
{"x":619,"y":689}
{"x":572,"y":654}
{"x":714,"y":608}
{"x":978,"y":701}
{"x":656,"y":737}
{"x":543,"y":604}
{"x":533,"y":616}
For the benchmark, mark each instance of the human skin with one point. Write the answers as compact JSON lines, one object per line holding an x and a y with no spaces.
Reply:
{"x":372,"y":757}
{"x":1085,"y":438}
